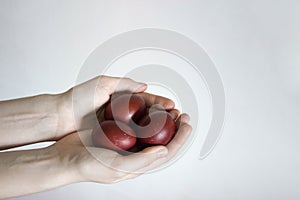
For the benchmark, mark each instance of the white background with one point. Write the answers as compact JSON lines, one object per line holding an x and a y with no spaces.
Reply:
{"x":254,"y":44}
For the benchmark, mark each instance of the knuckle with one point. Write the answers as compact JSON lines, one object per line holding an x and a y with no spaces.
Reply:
{"x":103,"y":80}
{"x":102,"y":77}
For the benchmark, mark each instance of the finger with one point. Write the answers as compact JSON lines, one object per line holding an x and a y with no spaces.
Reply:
{"x":174,"y":114}
{"x":173,"y":147}
{"x":106,"y":85}
{"x":152,"y":99}
{"x":177,"y":142}
{"x":133,"y":162}
{"x":92,"y":94}
{"x":183,"y":118}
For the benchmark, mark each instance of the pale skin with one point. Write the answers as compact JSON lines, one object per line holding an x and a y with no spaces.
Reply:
{"x":72,"y":158}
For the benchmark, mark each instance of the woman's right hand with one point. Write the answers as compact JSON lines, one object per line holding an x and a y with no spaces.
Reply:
{"x":100,"y":165}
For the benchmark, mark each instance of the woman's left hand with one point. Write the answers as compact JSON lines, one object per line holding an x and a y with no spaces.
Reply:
{"x":78,"y":105}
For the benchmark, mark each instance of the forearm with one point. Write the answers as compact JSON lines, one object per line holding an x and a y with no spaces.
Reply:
{"x":29,"y":120}
{"x":31,"y":171}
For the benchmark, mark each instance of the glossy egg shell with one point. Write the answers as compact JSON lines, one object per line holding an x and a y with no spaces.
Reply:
{"x":113,"y":135}
{"x":157,"y":128}
{"x":126,"y":108}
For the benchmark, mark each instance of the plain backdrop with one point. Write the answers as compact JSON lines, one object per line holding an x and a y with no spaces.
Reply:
{"x":255,"y":46}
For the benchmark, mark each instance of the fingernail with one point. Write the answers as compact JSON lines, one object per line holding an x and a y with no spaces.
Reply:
{"x":162,"y":153}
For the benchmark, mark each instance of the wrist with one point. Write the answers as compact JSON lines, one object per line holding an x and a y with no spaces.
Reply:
{"x":69,"y":161}
{"x":66,"y":120}
{"x":62,"y":165}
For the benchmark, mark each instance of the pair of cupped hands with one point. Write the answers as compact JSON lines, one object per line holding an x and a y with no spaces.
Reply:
{"x":74,"y":144}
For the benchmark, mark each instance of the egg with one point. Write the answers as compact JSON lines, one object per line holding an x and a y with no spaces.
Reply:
{"x":156,"y":128}
{"x":114,"y":135}
{"x":130,"y":126}
{"x":128,"y":108}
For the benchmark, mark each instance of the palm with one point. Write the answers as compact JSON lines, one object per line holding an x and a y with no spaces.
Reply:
{"x":115,"y":167}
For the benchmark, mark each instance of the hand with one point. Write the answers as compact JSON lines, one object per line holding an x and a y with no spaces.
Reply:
{"x":50,"y":117}
{"x":106,"y":166}
{"x":78,"y":105}
{"x":73,"y":158}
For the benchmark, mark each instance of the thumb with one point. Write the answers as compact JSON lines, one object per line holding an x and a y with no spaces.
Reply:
{"x":116,"y":84}
{"x":139,"y":160}
{"x":92,"y":94}
{"x":107,"y":85}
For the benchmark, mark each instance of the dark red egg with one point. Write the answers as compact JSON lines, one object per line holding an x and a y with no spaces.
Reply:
{"x":126,"y":108}
{"x":114,"y":135}
{"x":157,"y":128}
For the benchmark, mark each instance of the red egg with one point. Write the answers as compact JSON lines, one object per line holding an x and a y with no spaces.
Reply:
{"x":127,"y":108}
{"x":114,"y":135}
{"x":157,"y":128}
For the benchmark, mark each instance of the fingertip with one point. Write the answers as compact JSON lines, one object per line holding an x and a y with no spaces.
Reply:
{"x":169,"y":105}
{"x":142,"y":87}
{"x":162,"y":152}
{"x":174,"y":114}
{"x":183,"y":118}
